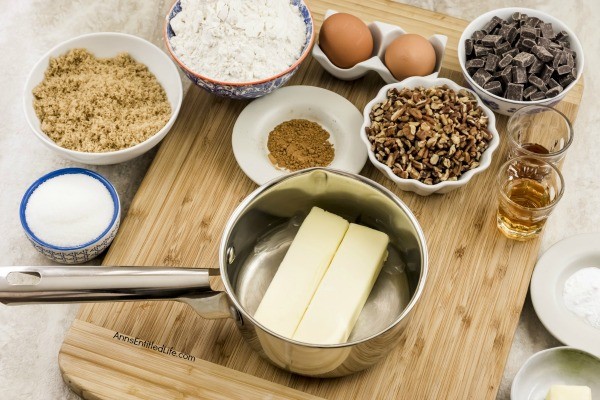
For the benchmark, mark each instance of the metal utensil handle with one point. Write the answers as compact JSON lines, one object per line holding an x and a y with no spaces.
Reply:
{"x":58,"y":284}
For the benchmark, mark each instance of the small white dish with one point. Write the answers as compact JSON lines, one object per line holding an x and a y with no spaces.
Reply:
{"x":334,"y":113}
{"x":557,"y":366}
{"x":553,"y":268}
{"x":383,"y":35}
{"x":413,"y":185}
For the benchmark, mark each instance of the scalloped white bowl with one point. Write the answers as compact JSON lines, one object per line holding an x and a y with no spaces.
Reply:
{"x":413,"y":185}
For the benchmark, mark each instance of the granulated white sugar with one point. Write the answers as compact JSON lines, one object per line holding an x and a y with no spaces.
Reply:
{"x":69,"y":210}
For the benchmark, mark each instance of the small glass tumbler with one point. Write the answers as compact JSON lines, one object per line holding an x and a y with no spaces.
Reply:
{"x":539,"y":131}
{"x":529,"y":189}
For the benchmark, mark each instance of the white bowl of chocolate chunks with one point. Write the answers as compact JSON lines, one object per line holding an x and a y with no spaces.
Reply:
{"x":514,"y":57}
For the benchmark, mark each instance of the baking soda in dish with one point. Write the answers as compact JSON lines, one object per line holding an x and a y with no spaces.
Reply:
{"x":581,"y":295}
{"x":238,"y":40}
{"x":69,"y":210}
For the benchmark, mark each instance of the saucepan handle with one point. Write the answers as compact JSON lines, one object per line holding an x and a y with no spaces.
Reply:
{"x":77,"y":284}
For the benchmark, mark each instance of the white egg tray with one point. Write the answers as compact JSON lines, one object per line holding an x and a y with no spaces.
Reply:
{"x":383,"y":35}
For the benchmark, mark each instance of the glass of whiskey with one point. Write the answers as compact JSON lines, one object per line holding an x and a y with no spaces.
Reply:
{"x":529,"y":189}
{"x":539,"y":131}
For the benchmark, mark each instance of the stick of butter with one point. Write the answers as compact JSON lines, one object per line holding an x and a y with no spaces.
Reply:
{"x":301,"y":271}
{"x":342,"y":294}
{"x":566,"y":392}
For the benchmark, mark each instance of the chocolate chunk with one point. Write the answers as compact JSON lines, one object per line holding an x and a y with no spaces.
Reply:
{"x":566,"y":80}
{"x":554,"y":51}
{"x":475,"y":63}
{"x":491,"y":62}
{"x":552,"y":83}
{"x":541,"y":53}
{"x":509,"y":33}
{"x":532,"y":21}
{"x":563,"y":69}
{"x":468,"y":47}
{"x":519,"y":75}
{"x":502,"y":48}
{"x":570,"y":60}
{"x":491,"y":40}
{"x":527,"y":32}
{"x":555,"y":45}
{"x":494,"y":22}
{"x":571,"y":52}
{"x":512,"y":52}
{"x":547,"y":31}
{"x":528,"y":43}
{"x":554,"y":91}
{"x":536,"y":81}
{"x":523,"y":59}
{"x":514,"y":91}
{"x":537,"y":96}
{"x":494,"y":87}
{"x":516,"y":16}
{"x":481,"y":77}
{"x":559,"y":59}
{"x":506,"y":75}
{"x":546,"y":73}
{"x":544,"y":42}
{"x":562,"y":34}
{"x":538,"y":32}
{"x":481,"y":51}
{"x":478,"y":35}
{"x":566,"y":44}
{"x":506,"y":60}
{"x":536,"y":66}
{"x":529,"y":90}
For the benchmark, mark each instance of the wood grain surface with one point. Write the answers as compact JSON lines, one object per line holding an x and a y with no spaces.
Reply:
{"x":459,"y":335}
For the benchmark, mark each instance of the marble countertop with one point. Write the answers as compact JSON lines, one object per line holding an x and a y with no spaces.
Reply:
{"x":30,"y":337}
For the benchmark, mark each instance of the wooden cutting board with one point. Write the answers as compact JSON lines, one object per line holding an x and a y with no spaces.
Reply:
{"x":459,"y":335}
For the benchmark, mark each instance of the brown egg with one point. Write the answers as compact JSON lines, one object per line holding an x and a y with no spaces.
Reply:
{"x":410,"y":55}
{"x":345,"y":40}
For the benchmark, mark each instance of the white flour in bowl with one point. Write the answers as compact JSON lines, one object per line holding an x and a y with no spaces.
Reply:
{"x":238,"y":40}
{"x":581,"y":295}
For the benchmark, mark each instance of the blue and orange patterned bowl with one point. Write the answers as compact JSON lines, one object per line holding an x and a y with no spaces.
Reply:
{"x":86,"y":251}
{"x":242,"y":90}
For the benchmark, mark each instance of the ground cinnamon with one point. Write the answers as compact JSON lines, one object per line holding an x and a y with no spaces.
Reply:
{"x":298,"y":143}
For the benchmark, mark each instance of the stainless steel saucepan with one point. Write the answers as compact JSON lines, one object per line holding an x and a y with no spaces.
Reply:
{"x":253,"y":244}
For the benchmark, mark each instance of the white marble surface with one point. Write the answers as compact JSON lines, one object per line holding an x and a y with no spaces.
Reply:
{"x":30,"y":337}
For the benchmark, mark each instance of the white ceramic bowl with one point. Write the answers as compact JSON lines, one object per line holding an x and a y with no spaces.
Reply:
{"x":413,"y":185}
{"x":500,"y":104}
{"x":109,"y":44}
{"x":383,"y":35}
{"x":557,"y":366}
{"x":87,"y":251}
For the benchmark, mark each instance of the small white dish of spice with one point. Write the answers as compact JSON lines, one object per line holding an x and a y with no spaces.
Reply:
{"x":565,"y":291}
{"x":70,"y":215}
{"x":102,"y":98}
{"x":298,"y":127}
